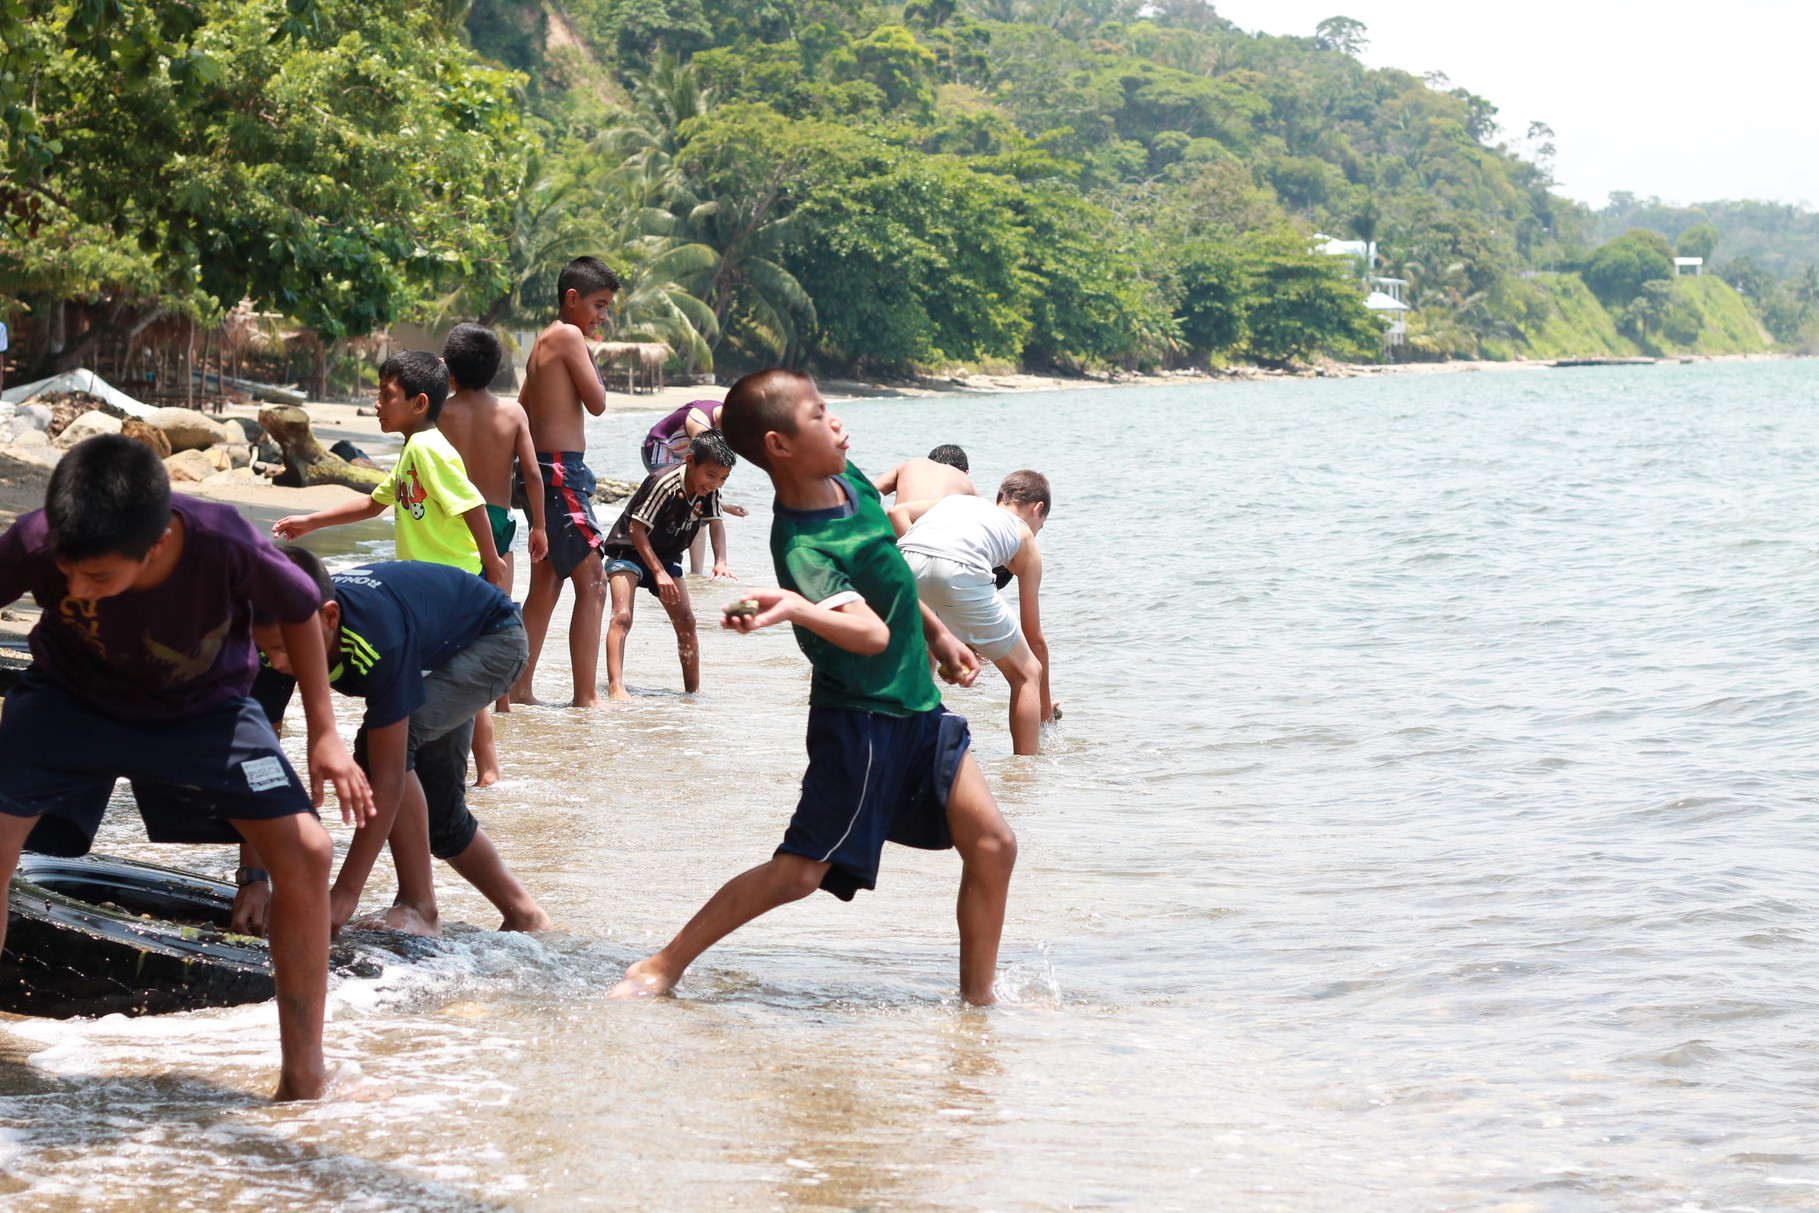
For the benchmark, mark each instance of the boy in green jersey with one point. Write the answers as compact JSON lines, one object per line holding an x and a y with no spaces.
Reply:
{"x":441,"y":517}
{"x":886,"y":761}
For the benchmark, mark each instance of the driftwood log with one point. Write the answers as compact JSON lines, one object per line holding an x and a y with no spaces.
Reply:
{"x":305,"y":462}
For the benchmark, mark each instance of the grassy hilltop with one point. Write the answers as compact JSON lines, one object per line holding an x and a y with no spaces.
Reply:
{"x":1058,"y":184}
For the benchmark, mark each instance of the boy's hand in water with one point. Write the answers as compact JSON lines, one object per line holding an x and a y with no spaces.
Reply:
{"x":774,"y":606}
{"x":252,"y":909}
{"x":720,"y":570}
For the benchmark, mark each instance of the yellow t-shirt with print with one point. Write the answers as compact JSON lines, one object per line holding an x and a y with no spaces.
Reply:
{"x":431,"y":492}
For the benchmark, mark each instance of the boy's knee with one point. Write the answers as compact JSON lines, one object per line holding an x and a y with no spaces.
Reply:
{"x":797,"y":876}
{"x":622,"y":618}
{"x":997,"y":846}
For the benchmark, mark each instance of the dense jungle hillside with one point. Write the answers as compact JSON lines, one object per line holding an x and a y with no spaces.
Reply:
{"x":1057,"y":184}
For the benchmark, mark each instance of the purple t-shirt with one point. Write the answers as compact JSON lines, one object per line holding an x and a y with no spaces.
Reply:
{"x":176,"y":650}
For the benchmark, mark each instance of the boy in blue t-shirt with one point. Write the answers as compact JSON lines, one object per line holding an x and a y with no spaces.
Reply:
{"x":143,"y":661}
{"x":427,"y":646}
{"x":886,"y":761}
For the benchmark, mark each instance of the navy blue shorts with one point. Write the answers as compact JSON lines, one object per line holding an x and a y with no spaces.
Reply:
{"x":192,"y":777}
{"x":874,"y":779}
{"x":626,"y":560}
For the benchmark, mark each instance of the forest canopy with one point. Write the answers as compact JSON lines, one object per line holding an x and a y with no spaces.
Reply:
{"x":1057,"y":184}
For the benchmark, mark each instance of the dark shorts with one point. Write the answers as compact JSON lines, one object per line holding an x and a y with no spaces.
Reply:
{"x":874,"y":779}
{"x":192,"y":777}
{"x":442,"y":730}
{"x":568,"y":509}
{"x":505,"y":528}
{"x":625,"y":560}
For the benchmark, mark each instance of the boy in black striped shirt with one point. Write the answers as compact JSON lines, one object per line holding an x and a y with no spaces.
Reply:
{"x":645,"y":548}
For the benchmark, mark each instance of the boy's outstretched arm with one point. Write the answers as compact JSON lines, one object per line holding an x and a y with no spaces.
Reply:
{"x":385,"y":751}
{"x":853,"y":625}
{"x":886,"y":484}
{"x":295,"y":526}
{"x":532,"y":476}
{"x":1027,"y":565}
{"x":905,"y":513}
{"x":328,"y":757}
{"x":481,"y":528}
{"x":581,"y":369}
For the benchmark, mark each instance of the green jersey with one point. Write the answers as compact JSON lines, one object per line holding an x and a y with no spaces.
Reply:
{"x":844,"y":554}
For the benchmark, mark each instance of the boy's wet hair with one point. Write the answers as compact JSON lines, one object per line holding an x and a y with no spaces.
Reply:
{"x":1024,"y":487}
{"x":109,"y":496}
{"x":311,"y":564}
{"x":418,"y":374}
{"x":760,"y":403}
{"x":585,"y":276}
{"x":472,"y":354}
{"x":710,"y":446}
{"x":951,"y":455}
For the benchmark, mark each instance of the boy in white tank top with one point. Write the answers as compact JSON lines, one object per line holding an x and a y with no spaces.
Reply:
{"x":952,"y":545}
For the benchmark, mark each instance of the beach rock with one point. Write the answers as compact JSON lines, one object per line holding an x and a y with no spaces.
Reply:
{"x":86,"y":426}
{"x":266,"y":451}
{"x":305,"y":462}
{"x":189,"y":430}
{"x":30,"y":440}
{"x":608,"y":490}
{"x":220,"y":456}
{"x":31,"y":417}
{"x":66,"y":407}
{"x":250,"y":429}
{"x":190,"y":465}
{"x":240,"y":455}
{"x":138,"y":431}
{"x":235,"y":476}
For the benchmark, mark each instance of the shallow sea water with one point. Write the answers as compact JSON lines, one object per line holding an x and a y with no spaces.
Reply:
{"x":1431,"y":828}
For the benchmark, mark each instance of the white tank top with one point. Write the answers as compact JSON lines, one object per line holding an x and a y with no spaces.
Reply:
{"x":966,"y":529}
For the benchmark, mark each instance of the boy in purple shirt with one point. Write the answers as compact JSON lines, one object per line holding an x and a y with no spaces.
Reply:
{"x":143,"y":663}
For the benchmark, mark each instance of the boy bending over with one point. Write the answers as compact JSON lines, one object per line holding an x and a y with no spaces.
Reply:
{"x":143,"y":660}
{"x":491,"y":436}
{"x":645,"y":549}
{"x":886,"y":760}
{"x":953,"y":545}
{"x":427,"y":646}
{"x":560,"y":382}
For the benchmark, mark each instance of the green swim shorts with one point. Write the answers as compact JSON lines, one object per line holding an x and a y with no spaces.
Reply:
{"x":505,"y":528}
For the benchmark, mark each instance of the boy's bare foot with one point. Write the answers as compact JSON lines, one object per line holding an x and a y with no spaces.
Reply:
{"x":407,"y":919}
{"x":591,"y":701}
{"x":979,"y":1000}
{"x":533,"y":919}
{"x":297,"y":1086}
{"x":526,"y":699}
{"x":613,"y":692}
{"x":644,"y":979}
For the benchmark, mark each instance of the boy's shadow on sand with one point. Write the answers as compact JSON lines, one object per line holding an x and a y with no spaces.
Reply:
{"x":89,"y":1116}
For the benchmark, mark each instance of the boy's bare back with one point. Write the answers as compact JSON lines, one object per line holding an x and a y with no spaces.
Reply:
{"x":560,"y":380}
{"x":484,"y":431}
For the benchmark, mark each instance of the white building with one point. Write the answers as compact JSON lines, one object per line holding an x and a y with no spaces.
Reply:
{"x":1384,"y":295}
{"x":1682,"y":264}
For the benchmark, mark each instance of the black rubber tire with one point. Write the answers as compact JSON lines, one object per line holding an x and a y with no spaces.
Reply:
{"x":100,"y":935}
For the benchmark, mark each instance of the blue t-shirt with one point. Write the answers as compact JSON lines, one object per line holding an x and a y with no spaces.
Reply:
{"x":399,"y":620}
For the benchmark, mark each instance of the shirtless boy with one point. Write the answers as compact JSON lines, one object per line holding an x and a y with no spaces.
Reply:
{"x":942,"y":474}
{"x":560,"y":381}
{"x":491,"y":434}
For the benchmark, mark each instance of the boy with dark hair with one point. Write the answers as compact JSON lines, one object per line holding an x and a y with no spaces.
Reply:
{"x":427,"y":646}
{"x":645,"y":548}
{"x":143,"y":660}
{"x":561,"y":387}
{"x":491,"y":436}
{"x":942,"y":473}
{"x":441,"y":518}
{"x":886,"y":760}
{"x":953,"y":546}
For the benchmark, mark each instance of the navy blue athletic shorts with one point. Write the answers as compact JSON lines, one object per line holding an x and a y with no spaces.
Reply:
{"x":874,"y":779}
{"x":627,"y":560}
{"x":192,"y":777}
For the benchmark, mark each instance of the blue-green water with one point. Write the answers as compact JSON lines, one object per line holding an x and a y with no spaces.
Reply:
{"x":1431,"y":828}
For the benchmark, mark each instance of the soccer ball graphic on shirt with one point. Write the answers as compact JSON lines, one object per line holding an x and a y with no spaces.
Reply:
{"x":412,"y":496}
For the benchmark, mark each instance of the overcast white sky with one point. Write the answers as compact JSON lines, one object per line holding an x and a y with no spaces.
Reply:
{"x":1690,"y":101}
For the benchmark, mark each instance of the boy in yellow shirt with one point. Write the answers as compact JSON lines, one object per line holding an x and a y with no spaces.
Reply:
{"x":441,"y":517}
